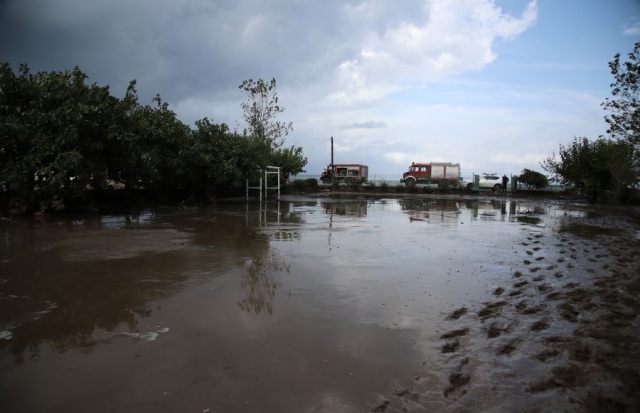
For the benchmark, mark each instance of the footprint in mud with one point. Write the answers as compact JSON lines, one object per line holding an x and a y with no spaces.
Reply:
{"x":455,"y":333}
{"x":529,"y":252}
{"x":491,"y":309}
{"x":457,"y":313}
{"x":547,"y":354}
{"x":556,"y":295}
{"x":458,"y":379}
{"x":498,"y":291}
{"x":450,"y":346}
{"x":498,"y":328}
{"x":568,"y":312}
{"x":537,"y":248}
{"x":526,"y":262}
{"x":579,"y":351}
{"x":528,"y":307}
{"x":520,"y":284}
{"x":382,"y":406}
{"x":508,"y":348}
{"x":539,"y":258}
{"x":515,"y":293}
{"x":517,"y":274}
{"x":540,"y":325}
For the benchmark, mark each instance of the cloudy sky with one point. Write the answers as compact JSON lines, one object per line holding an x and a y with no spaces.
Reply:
{"x":496,"y":85}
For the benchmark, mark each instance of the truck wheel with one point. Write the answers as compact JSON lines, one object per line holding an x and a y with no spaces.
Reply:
{"x":410,"y":182}
{"x":469,"y":187}
{"x":497,"y":188}
{"x":326,"y":181}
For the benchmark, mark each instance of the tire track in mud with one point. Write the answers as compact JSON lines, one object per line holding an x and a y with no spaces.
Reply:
{"x":561,"y":334}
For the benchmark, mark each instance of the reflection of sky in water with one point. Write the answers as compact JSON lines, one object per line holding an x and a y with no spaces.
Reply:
{"x":314,"y":287}
{"x":399,"y":262}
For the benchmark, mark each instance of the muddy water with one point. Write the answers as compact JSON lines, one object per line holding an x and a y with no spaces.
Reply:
{"x":306,"y":305}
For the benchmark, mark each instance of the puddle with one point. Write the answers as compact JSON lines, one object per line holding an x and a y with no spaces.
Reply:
{"x":415,"y":304}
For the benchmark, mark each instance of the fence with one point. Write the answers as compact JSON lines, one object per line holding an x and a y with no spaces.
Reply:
{"x":394,"y":179}
{"x":377,"y":179}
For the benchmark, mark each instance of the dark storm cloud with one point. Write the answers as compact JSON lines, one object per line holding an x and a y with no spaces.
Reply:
{"x":178,"y":49}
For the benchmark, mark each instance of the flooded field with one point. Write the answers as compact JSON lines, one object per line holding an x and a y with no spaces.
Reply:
{"x":324,"y":305}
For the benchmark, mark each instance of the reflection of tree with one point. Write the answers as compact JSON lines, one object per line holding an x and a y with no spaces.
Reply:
{"x":51,"y":300}
{"x":260,"y":288}
{"x":279,"y":212}
{"x":82,"y":304}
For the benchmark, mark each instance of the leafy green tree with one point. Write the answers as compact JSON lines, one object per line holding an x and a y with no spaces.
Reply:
{"x":624,"y":103}
{"x":599,"y":169}
{"x":260,"y":112}
{"x":533,"y":179}
{"x":52,"y":127}
{"x":63,"y":140}
{"x":217,"y":157}
{"x":290,"y":160}
{"x":161,"y":140}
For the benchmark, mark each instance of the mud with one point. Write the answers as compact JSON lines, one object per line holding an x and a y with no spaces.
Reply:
{"x":571,"y":344}
{"x":324,"y":305}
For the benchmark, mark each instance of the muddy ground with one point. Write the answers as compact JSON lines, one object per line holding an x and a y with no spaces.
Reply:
{"x":363,"y":303}
{"x":561,"y":334}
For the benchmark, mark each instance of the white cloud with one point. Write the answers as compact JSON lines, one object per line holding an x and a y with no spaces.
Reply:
{"x":633,"y":30}
{"x":443,"y":38}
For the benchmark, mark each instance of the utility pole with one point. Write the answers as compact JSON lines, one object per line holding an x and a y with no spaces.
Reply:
{"x":332,"y":160}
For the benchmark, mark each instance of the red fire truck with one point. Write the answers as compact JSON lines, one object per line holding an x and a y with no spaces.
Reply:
{"x":443,"y":174}
{"x":345,"y":172}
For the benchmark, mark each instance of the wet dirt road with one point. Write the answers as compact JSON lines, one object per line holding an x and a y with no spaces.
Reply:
{"x":320,"y":305}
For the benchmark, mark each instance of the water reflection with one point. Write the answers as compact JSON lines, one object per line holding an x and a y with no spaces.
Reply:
{"x":64,"y":307}
{"x":65,"y":283}
{"x":431,"y":210}
{"x":356,"y":208}
{"x":258,"y":284}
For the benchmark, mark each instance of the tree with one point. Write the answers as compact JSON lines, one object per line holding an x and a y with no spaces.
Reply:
{"x":598,"y":169}
{"x":217,"y":158}
{"x":52,"y":128}
{"x":624,"y":104}
{"x":533,"y":179}
{"x":260,"y":112}
{"x":290,"y":160}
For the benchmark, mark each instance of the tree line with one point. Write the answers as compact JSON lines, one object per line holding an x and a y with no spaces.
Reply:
{"x":66,"y":142}
{"x":608,"y":167}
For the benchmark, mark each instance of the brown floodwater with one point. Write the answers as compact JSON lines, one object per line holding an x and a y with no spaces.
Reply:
{"x":297,"y":305}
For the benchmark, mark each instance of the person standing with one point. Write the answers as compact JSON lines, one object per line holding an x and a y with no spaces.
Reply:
{"x":505,"y":181}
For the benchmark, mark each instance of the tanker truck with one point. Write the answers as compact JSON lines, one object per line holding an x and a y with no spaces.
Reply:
{"x":444,"y":174}
{"x":349,"y":173}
